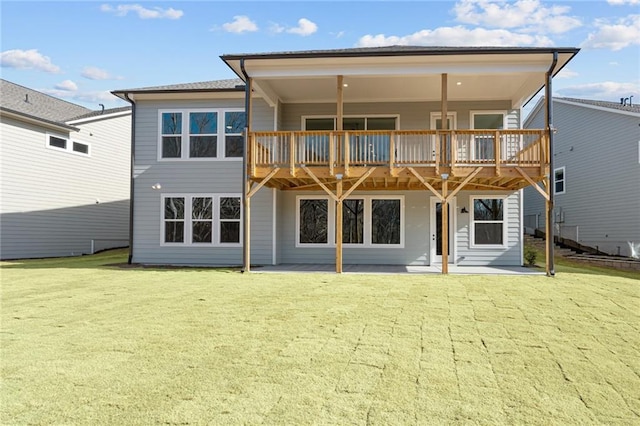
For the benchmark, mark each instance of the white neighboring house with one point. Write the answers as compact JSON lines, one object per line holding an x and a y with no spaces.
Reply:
{"x":64,"y":175}
{"x":596,"y":174}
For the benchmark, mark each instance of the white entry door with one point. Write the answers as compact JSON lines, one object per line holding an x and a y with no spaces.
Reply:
{"x":435,"y":234}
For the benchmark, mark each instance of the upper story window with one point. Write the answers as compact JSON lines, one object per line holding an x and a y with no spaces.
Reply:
{"x":64,"y":144}
{"x":559,"y":179}
{"x":211,"y":134}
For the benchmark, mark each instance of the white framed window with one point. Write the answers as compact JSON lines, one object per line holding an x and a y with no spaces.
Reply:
{"x":482,"y":146}
{"x":201,"y":220}
{"x":60,"y":143}
{"x":488,"y":222}
{"x":367,"y":221}
{"x":201,"y":134}
{"x":559,"y":180}
{"x":435,"y":120}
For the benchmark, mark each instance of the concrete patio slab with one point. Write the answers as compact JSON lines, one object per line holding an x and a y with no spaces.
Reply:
{"x":397,"y":269}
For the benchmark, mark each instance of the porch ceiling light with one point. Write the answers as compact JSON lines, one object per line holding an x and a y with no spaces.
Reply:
{"x":345,"y":84}
{"x":458,"y":83}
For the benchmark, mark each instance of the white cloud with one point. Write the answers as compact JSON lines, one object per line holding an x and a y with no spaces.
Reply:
{"x":623,"y":2}
{"x":567,"y":73}
{"x":143,"y":13}
{"x":615,"y":36}
{"x":457,"y":36}
{"x":95,"y":73}
{"x":27,"y":59}
{"x":605,"y":90}
{"x":526,"y":15}
{"x":67,"y":86}
{"x":240,"y":24}
{"x":339,"y":34}
{"x":305,"y":28}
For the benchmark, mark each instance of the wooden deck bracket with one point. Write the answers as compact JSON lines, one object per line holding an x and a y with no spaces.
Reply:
{"x":266,"y":179}
{"x":322,"y":185}
{"x":535,"y":185}
{"x":425,"y":183}
{"x":358,"y":182}
{"x":463,"y":183}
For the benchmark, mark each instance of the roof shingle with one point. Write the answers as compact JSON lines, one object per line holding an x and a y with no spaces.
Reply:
{"x":605,"y":104}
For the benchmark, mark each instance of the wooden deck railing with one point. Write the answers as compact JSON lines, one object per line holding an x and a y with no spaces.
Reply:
{"x":400,"y":148}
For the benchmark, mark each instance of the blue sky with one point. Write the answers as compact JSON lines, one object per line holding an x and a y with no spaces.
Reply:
{"x":79,"y":51}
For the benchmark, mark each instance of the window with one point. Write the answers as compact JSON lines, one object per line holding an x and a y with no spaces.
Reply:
{"x":201,"y":134}
{"x":385,"y":221}
{"x":483,"y":145}
{"x":64,"y":144}
{"x":82,"y":148}
{"x":57,"y":142}
{"x":488,"y":222}
{"x":201,"y":219}
{"x":235,"y":122}
{"x":559,"y":179}
{"x":367,"y":221}
{"x":353,"y":221}
{"x":313,"y":221}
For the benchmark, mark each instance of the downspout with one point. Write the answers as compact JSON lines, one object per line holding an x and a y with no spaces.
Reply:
{"x":131,"y":182}
{"x":552,"y":185}
{"x":246,"y":261}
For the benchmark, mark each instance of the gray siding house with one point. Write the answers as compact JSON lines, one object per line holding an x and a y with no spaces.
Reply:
{"x":341,"y":156}
{"x":596,"y":174}
{"x":64,"y":176}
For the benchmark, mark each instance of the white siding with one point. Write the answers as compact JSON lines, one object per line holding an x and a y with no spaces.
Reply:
{"x":599,"y":150}
{"x":53,"y":202}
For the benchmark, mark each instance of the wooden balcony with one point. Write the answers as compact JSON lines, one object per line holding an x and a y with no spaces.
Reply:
{"x":399,"y":160}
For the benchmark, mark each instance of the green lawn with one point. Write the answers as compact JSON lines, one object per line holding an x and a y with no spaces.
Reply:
{"x":85,"y":343}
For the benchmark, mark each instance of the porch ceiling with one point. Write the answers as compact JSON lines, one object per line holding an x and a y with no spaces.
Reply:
{"x":512,"y":75}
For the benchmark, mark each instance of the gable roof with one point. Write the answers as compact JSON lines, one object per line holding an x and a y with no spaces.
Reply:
{"x":603,"y":104}
{"x":31,"y":103}
{"x":99,"y":113}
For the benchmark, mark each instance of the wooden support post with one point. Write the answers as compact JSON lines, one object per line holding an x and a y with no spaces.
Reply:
{"x":340,"y":103}
{"x":247,"y":228}
{"x":392,"y":154}
{"x":443,"y":117}
{"x":445,"y":228}
{"x":548,"y":230}
{"x":339,"y":227}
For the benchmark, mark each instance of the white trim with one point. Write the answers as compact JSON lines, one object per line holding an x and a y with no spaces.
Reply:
{"x":564,"y":180}
{"x":69,"y":145}
{"x":368,"y":201}
{"x":184,"y":135}
{"x":438,"y":114}
{"x":99,"y":117}
{"x":472,"y":222}
{"x":216,"y":221}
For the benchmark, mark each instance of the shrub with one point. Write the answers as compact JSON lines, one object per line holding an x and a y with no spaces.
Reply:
{"x":530,"y":255}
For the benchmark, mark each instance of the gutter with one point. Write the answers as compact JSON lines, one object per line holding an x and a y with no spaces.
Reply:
{"x":131,"y":182}
{"x":552,"y":186}
{"x":246,"y":262}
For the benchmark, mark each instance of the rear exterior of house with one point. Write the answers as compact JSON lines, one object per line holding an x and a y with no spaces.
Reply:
{"x":346,"y":159}
{"x":596,"y":174}
{"x":64,"y":176}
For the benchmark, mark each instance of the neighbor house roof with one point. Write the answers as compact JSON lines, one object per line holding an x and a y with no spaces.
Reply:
{"x":603,"y":104}
{"x":99,"y":113}
{"x":38,"y":105}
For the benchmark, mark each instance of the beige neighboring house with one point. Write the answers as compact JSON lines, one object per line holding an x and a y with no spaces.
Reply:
{"x":64,"y":175}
